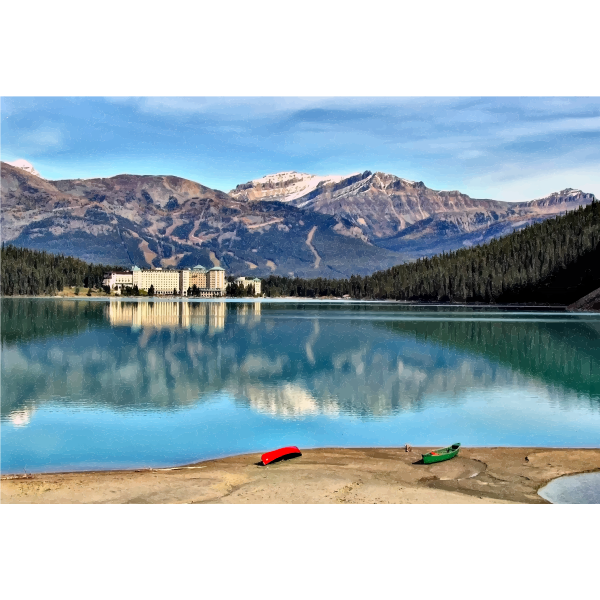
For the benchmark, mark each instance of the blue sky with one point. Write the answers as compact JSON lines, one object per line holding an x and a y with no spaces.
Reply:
{"x":501,"y":148}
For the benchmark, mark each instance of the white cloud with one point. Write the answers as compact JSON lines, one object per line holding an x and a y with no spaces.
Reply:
{"x":245,"y":107}
{"x":537,"y":185}
{"x":496,"y":135}
{"x":537,"y":128}
{"x":514,"y":183}
{"x":45,"y":137}
{"x":472,"y":127}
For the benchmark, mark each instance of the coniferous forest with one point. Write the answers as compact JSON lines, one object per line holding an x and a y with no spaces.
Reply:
{"x":33,"y":273}
{"x":556,"y":261}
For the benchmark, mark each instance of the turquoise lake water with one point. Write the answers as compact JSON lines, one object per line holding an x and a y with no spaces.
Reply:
{"x":90,"y":384}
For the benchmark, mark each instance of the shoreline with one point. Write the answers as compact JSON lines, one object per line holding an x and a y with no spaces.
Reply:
{"x":557,"y":307}
{"x":481,"y":475}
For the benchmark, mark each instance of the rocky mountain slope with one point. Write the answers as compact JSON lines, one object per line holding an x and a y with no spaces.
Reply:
{"x":169,"y":221}
{"x":286,"y":224}
{"x":403,"y":215}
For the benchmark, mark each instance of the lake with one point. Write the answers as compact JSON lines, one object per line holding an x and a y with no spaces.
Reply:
{"x":95,"y":384}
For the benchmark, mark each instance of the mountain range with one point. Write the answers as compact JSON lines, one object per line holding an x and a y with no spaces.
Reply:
{"x":287,"y":224}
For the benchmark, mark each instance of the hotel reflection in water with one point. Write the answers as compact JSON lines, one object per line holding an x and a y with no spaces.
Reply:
{"x":176,"y":315}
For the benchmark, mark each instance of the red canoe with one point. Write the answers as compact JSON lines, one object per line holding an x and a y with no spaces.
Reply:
{"x":269,"y":457}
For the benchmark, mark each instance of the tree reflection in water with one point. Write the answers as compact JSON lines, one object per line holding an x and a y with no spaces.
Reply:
{"x":365,"y":361}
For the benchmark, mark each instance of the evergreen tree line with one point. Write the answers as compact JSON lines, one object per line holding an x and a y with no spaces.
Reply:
{"x":239,"y":290}
{"x":552,"y":261}
{"x":132,"y":291}
{"x":27,"y":272}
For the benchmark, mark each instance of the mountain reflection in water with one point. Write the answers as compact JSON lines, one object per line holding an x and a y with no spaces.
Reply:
{"x":90,"y":384}
{"x":364,"y":361}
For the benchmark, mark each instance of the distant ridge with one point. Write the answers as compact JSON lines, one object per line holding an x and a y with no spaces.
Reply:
{"x":404,"y":215}
{"x":290,"y":224}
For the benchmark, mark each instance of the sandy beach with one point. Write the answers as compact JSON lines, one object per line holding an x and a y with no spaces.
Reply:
{"x":320,"y":476}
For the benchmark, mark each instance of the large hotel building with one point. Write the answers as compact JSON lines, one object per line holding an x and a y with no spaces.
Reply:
{"x":253,"y":282}
{"x":210,"y":283}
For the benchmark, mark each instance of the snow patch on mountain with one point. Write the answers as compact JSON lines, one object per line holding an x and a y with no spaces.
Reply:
{"x":284,"y":186}
{"x":21,"y":163}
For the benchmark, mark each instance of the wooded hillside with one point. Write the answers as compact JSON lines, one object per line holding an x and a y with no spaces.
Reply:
{"x":33,"y":273}
{"x":553,"y":262}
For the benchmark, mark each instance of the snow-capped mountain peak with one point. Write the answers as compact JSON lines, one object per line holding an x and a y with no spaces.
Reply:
{"x":285,"y":186}
{"x":21,"y":163}
{"x":568,"y":194}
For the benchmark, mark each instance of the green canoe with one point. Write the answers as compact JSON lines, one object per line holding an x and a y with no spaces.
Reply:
{"x":441,"y":454}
